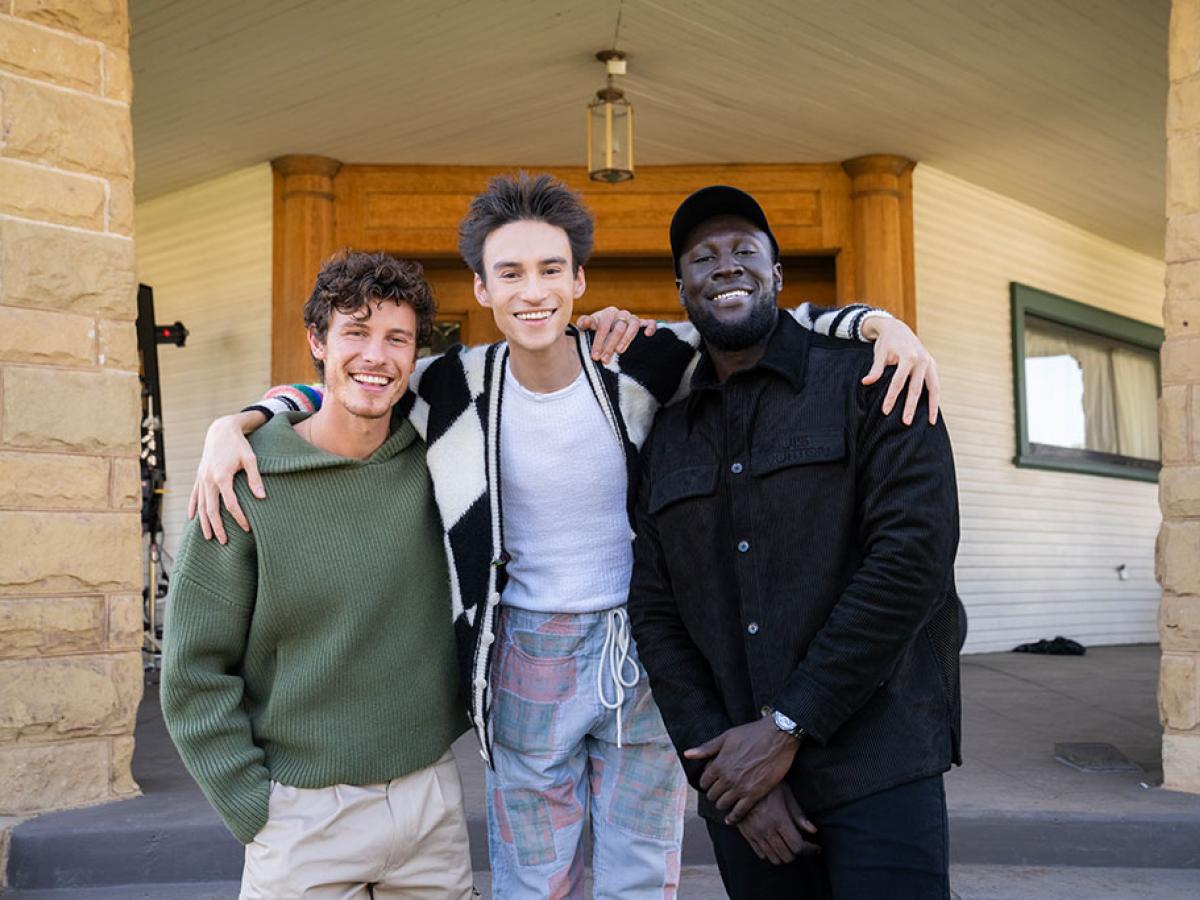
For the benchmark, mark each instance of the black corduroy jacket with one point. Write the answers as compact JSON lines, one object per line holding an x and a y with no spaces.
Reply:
{"x":795,"y":551}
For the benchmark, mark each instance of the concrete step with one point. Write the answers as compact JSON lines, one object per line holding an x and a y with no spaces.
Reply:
{"x":60,"y":851}
{"x":76,"y":849}
{"x":695,"y":883}
{"x":201,"y":890}
{"x":127,"y":850}
{"x":969,"y":882}
{"x":1073,"y":883}
{"x":1005,"y":838}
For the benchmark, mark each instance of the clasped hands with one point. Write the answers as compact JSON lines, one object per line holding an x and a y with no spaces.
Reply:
{"x":744,"y":776}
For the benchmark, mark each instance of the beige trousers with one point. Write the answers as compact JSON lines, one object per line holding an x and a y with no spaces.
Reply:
{"x":403,"y":839}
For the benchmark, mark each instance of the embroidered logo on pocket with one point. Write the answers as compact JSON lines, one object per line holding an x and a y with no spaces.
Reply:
{"x":825,"y":445}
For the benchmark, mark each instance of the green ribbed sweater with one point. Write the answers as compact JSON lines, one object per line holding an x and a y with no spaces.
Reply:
{"x":318,"y":649}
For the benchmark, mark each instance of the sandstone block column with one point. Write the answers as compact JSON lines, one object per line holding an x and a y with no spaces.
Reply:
{"x":1178,"y":556}
{"x":881,"y":194}
{"x":70,"y":490}
{"x":304,"y":239}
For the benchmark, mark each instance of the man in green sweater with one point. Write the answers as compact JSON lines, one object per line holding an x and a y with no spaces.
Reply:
{"x":309,"y":676}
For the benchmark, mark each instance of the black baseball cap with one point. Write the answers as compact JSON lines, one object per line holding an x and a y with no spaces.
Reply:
{"x":716,"y":200}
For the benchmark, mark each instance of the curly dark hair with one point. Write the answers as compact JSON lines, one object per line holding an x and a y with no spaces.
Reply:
{"x":352,"y":280}
{"x":516,"y":198}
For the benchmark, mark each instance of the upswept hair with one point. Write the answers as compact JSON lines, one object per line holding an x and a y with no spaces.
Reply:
{"x":352,"y":280}
{"x":516,"y":198}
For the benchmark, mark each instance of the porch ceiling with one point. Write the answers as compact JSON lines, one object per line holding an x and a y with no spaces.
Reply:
{"x":1057,"y":103}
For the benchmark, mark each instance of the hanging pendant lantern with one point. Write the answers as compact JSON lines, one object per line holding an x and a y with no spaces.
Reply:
{"x":610,"y":127}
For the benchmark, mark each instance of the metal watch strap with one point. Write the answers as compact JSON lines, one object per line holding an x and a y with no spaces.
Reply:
{"x":787,"y":725}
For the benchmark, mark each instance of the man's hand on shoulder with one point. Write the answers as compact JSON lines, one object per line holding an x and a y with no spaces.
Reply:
{"x":226,"y":452}
{"x":614,"y":329}
{"x":775,"y":828}
{"x":744,"y":764}
{"x":896,"y":344}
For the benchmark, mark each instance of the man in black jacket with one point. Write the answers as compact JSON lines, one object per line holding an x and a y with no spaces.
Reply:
{"x":792,"y":596}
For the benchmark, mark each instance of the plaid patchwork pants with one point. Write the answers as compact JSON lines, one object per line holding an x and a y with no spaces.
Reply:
{"x":558,"y":766}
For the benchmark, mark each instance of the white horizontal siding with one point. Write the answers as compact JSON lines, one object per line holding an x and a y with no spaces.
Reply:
{"x":206,"y":251}
{"x":1039,"y":549}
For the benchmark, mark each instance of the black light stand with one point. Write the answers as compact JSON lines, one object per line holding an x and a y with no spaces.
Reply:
{"x":154,"y":465}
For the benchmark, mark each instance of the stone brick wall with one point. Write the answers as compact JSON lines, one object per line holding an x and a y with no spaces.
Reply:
{"x":70,"y":545}
{"x":1178,"y":554}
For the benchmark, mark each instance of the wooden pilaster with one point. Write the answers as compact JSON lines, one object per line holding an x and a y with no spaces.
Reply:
{"x":881,"y":197}
{"x":303,"y":240}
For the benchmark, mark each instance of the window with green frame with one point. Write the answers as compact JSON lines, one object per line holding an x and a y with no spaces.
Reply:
{"x":1087,"y":386}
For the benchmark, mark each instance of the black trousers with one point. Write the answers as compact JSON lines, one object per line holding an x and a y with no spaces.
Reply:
{"x":893,"y":845}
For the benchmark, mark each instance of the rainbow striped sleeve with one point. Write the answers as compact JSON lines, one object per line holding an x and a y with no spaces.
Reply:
{"x":289,"y":397}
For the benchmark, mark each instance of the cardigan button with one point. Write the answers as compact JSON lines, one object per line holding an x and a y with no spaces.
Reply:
{"x":481,"y":683}
{"x":752,"y":628}
{"x":743,"y":546}
{"x":736,"y":468}
{"x":494,"y":600}
{"x":487,"y":638}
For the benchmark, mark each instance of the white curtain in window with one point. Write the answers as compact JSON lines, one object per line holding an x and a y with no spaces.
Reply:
{"x":1100,"y":421}
{"x":1135,"y":377}
{"x":1097,"y":395}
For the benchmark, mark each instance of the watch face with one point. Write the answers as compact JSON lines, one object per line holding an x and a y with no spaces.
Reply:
{"x":783,"y":723}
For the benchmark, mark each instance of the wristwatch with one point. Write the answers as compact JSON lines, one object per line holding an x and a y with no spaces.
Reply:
{"x":787,"y":725}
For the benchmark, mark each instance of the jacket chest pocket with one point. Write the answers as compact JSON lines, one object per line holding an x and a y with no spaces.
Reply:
{"x":779,"y":450}
{"x":674,"y":487}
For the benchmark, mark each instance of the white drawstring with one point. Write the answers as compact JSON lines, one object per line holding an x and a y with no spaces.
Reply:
{"x":615,"y":653}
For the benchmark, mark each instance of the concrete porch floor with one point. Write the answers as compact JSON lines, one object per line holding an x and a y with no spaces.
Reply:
{"x":1016,"y":813}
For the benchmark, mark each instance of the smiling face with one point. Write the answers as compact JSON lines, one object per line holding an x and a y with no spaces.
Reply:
{"x":530,"y":286}
{"x":368,"y":356}
{"x":729,"y":282}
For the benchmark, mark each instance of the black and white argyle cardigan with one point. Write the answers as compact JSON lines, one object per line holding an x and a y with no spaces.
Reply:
{"x":456,"y":404}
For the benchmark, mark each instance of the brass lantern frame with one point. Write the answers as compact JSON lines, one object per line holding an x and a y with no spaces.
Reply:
{"x":609,"y":99}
